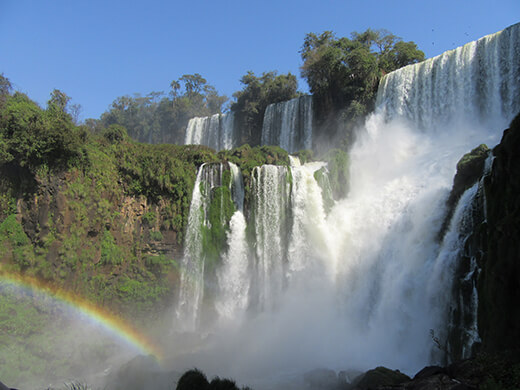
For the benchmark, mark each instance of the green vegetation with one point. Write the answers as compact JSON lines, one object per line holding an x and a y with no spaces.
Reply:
{"x":338,"y":167}
{"x":97,"y":214}
{"x":38,"y":346}
{"x":159,"y":118}
{"x":253,"y":99}
{"x":101,"y":214}
{"x":220,"y":211}
{"x":30,"y":136}
{"x":343,"y":74}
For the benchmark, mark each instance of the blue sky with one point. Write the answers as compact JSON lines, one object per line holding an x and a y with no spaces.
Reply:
{"x":95,"y":51}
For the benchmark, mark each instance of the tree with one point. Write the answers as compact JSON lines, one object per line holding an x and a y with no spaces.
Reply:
{"x":58,"y":101}
{"x":256,"y":95}
{"x":30,"y":136}
{"x":5,"y":86}
{"x":5,"y":89}
{"x":155,"y":118}
{"x":343,"y":73}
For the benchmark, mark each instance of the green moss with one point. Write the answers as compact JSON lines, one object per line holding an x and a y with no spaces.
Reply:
{"x":15,"y":244}
{"x":476,"y":156}
{"x":322,"y":178}
{"x":13,"y":231}
{"x":220,"y":211}
{"x":156,"y":235}
{"x":304,"y":155}
{"x":338,"y":167}
{"x":111,"y":253}
{"x":149,"y":218}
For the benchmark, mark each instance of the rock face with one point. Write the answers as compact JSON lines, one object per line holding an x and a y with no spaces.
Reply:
{"x":469,"y":170}
{"x":102,"y":244}
{"x":499,"y":282}
{"x":486,"y":291}
{"x":380,"y":377}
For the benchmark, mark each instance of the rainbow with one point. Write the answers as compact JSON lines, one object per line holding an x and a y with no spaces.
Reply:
{"x":110,"y":322}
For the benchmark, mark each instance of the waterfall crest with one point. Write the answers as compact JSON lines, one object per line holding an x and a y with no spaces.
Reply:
{"x":216,"y":131}
{"x":476,"y":83}
{"x":289,"y":124}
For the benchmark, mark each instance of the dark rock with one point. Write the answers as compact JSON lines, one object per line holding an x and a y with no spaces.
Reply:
{"x":381,"y":377}
{"x":469,"y":170}
{"x":499,"y":282}
{"x":429,"y":371}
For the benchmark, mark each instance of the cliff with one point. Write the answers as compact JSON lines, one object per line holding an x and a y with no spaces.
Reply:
{"x":499,"y":282}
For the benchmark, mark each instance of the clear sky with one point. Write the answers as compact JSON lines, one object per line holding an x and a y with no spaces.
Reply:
{"x":95,"y":50}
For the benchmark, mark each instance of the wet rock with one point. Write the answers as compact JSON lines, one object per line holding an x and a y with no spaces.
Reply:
{"x":380,"y":378}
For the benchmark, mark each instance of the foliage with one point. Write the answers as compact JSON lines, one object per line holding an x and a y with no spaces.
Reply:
{"x":156,"y":235}
{"x":149,"y":218}
{"x":111,"y":254}
{"x":5,"y":88}
{"x":15,"y":242}
{"x":159,"y":118}
{"x":220,"y":211}
{"x":256,"y":95}
{"x":115,"y":133}
{"x":343,"y":74}
{"x":338,"y":167}
{"x":30,"y":136}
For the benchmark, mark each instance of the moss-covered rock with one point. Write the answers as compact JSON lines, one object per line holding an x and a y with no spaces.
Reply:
{"x":338,"y":167}
{"x":380,"y":376}
{"x":469,"y":170}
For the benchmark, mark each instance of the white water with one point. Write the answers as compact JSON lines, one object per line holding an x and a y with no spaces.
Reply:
{"x":477,"y":83}
{"x":363,"y":285}
{"x":237,"y":186}
{"x":215,"y":131}
{"x":289,"y":124}
{"x":192,"y":275}
{"x":234,"y":275}
{"x":270,"y":211}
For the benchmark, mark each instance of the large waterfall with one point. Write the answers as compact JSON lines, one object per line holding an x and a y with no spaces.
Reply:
{"x":366,"y":282}
{"x":216,"y":131}
{"x":289,"y":124}
{"x":473,"y":84}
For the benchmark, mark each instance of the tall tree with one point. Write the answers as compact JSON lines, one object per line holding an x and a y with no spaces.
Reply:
{"x":256,"y":95}
{"x":343,"y":73}
{"x":157,"y":118}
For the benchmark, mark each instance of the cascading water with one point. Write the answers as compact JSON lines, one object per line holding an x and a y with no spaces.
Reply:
{"x":289,"y":124}
{"x":364,"y":283}
{"x":192,"y":275}
{"x":476,"y":83}
{"x":270,"y":209}
{"x":215,"y":131}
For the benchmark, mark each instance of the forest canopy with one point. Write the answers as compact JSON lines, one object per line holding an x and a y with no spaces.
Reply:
{"x":343,"y":73}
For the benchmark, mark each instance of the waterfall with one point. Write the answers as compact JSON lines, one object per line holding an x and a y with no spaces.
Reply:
{"x":308,"y":215}
{"x":234,"y":274}
{"x":237,"y":186}
{"x":216,"y":131}
{"x":270,"y":209}
{"x":458,"y":253}
{"x":194,"y":262}
{"x":192,"y":272}
{"x":476,"y":83}
{"x":362,"y":282}
{"x":289,"y":124}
